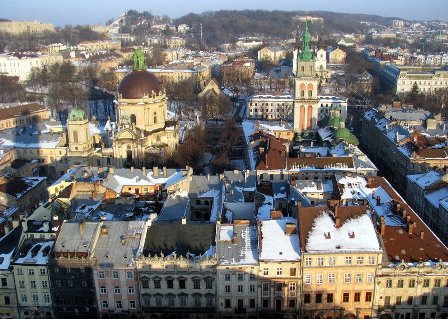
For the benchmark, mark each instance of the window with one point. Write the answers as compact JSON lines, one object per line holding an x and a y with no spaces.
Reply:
{"x":84,"y":284}
{"x":197,"y":301}
{"x":157,"y":284}
{"x":183,"y":300}
{"x":196,"y":284}
{"x":24,"y":298}
{"x":331,"y":278}
{"x":43,"y":271}
{"x":252,"y":303}
{"x":170,"y":300}
{"x":278,"y":286}
{"x":400,"y":283}
{"x":6,"y":300}
{"x":357,"y":297}
{"x":347,"y":278}
{"x":240,"y":277}
{"x":348,"y":260}
{"x":359,"y":260}
{"x":319,"y":279}
{"x":21,"y":284}
{"x":389,"y":283}
{"x":170,"y":283}
{"x":129,"y":275}
{"x":320,"y":261}
{"x":308,"y":261}
{"x":44,"y":284}
{"x":368,"y":296}
{"x":292,"y":272}
{"x":398,"y":300}
{"x":227,"y":303}
{"x":131,"y":290}
{"x":279,"y":271}
{"x":117,"y":290}
{"x":435,"y":300}
{"x":308,"y":279}
{"x":101,"y":274}
{"x":345,"y":297}
{"x":307,"y":298}
{"x":437,"y":283}
{"x":445,"y":301}
{"x":265,"y":286}
{"x":227,"y":288}
{"x":19,"y":271}
{"x":158,"y":299}
{"x":118,"y":304}
{"x":70,"y":283}
{"x":412,"y":283}
{"x":426,"y":283}
{"x":240,"y":288}
{"x":387,"y":300}
{"x":292,"y":286}
{"x":115,"y":275}
{"x":30,"y":271}
{"x":372,"y":260}
{"x":329,"y":298}
{"x":145,"y":283}
{"x":252,"y":277}
{"x":227,"y":277}
{"x":103,"y":290}
{"x":35,"y":300}
{"x":410,"y":300}
{"x":209,"y":283}
{"x":132,"y":304}
{"x":33,"y":284}
{"x":182,"y":284}
{"x":332,"y":261}
{"x":209,"y":301}
{"x":424,"y":300}
{"x":252,"y":288}
{"x":369,"y":278}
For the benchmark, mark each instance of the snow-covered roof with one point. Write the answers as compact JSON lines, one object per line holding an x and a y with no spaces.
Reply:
{"x":243,"y":250}
{"x":435,"y":197}
{"x":355,"y":234}
{"x":426,"y":179}
{"x":276,"y":245}
{"x":37,"y":254}
{"x":31,"y":136}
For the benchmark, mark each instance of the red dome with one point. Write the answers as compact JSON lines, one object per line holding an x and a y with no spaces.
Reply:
{"x":139,"y":83}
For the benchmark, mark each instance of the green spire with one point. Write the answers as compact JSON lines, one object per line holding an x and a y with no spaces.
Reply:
{"x":306,"y":54}
{"x":139,"y":60}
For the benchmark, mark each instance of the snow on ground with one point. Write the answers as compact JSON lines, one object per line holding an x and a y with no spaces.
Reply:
{"x":264,"y":211}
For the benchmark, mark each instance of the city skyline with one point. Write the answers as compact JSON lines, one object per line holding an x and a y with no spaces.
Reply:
{"x":76,"y":12}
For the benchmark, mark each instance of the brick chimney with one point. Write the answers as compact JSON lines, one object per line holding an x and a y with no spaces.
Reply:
{"x":276,"y":214}
{"x":378,"y":200}
{"x":319,"y":184}
{"x":144,"y":170}
{"x":422,"y":235}
{"x":382,"y":225}
{"x":404,"y":214}
{"x":411,"y":227}
{"x":337,"y":223}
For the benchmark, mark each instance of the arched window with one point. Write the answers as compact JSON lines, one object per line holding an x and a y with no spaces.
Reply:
{"x":302,"y":93}
{"x":133,"y":119}
{"x":75,"y":136}
{"x":310,"y":93}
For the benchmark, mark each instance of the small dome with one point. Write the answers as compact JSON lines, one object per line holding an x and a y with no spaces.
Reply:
{"x":77,"y":114}
{"x":344,"y":133}
{"x":139,"y":83}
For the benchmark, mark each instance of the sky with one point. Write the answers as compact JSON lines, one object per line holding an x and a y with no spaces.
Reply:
{"x":99,"y":11}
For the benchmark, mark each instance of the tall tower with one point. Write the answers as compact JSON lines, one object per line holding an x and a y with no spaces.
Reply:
{"x":80,"y":141}
{"x":305,"y":87}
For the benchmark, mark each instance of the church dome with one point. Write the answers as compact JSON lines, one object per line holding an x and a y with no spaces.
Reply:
{"x":139,"y":83}
{"x":77,"y":114}
{"x":344,"y":133}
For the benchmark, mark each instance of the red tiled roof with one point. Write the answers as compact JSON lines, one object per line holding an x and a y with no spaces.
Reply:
{"x":399,"y":244}
{"x":20,"y":110}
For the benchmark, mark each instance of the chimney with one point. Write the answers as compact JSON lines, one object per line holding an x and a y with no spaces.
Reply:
{"x":104,"y":230}
{"x":112,"y":169}
{"x":290,"y":229}
{"x":422,"y":235}
{"x":144,"y":170}
{"x":164,"y":171}
{"x":132,"y":168}
{"x":337,"y":223}
{"x":404,"y":213}
{"x":319,"y":184}
{"x":410,"y":228}
{"x":100,"y":169}
{"x":184,"y":220}
{"x":408,"y":218}
{"x":373,"y":194}
{"x":398,"y":207}
{"x":155,"y":171}
{"x":382,"y":225}
{"x":378,"y":200}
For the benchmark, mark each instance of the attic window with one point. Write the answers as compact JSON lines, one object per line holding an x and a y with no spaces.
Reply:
{"x":280,"y":253}
{"x":327,"y":235}
{"x":351,"y":234}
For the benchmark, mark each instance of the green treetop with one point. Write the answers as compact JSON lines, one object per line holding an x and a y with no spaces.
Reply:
{"x":139,"y":60}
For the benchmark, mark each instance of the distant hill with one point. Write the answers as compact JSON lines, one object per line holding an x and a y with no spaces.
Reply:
{"x":4,"y":20}
{"x":226,"y":25}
